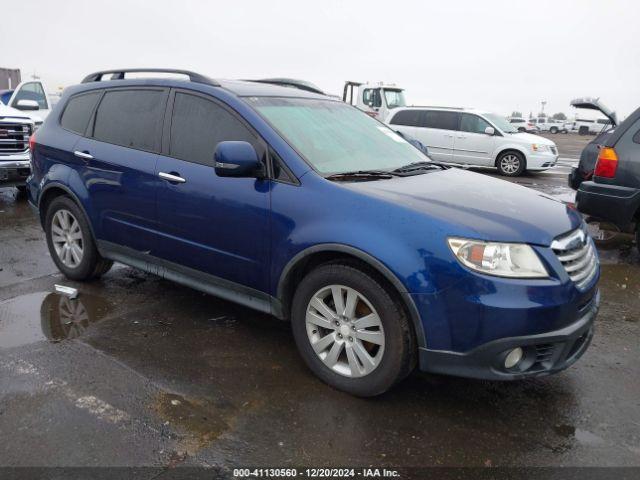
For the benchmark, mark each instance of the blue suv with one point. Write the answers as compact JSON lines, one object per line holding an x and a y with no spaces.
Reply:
{"x":299,"y":205}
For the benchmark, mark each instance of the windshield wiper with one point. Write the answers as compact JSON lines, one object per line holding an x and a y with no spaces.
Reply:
{"x":362,"y":174}
{"x":416,"y":166}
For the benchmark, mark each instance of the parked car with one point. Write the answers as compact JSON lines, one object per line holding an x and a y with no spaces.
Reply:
{"x":551,"y":125}
{"x":15,"y":132}
{"x":301,"y":206}
{"x":474,"y":138}
{"x":522,"y":125}
{"x":612,"y":192}
{"x":589,"y":156}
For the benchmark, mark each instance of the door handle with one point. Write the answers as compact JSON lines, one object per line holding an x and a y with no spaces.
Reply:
{"x":171,"y":177}
{"x":462,"y":137}
{"x":83,"y":155}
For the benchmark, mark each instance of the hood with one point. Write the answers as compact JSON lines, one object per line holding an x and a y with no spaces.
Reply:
{"x":530,"y":138}
{"x":6,"y":111}
{"x":591,"y":103}
{"x":477,"y":205}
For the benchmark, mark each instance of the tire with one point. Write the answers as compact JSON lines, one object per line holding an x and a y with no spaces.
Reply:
{"x":522,"y":129}
{"x":511,"y":164}
{"x":72,"y":249}
{"x":553,"y":130}
{"x":390,"y":356}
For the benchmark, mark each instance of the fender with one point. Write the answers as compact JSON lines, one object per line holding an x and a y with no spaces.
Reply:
{"x":504,"y":148}
{"x":68,"y":191}
{"x":371,"y":261}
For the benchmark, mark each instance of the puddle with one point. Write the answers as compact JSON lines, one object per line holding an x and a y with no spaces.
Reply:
{"x":47,"y":316}
{"x":198,"y":422}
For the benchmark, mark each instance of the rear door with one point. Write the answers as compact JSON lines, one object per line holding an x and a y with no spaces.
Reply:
{"x":118,"y":165}
{"x":437,"y":131}
{"x":216,"y":225}
{"x":472,"y":145}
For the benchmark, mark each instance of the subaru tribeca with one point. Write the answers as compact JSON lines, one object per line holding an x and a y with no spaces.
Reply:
{"x":299,"y":205}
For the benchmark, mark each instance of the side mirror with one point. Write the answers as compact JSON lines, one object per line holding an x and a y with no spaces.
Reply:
{"x":490,"y":131}
{"x":237,"y":159}
{"x":25,"y":104}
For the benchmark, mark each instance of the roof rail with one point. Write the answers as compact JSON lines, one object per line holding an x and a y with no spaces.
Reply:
{"x":290,"y":82}
{"x":118,"y":74}
{"x":437,"y":106}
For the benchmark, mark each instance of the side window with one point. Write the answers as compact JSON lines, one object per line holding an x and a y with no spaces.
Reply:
{"x":78,"y":111}
{"x":440,"y":120}
{"x":280,"y":173}
{"x":131,"y":118}
{"x":473,"y":123}
{"x":409,"y":118}
{"x":371,"y":97}
{"x":198,"y":125}
{"x":32,"y":91}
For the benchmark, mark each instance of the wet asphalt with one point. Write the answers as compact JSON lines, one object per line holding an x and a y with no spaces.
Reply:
{"x":138,"y":371}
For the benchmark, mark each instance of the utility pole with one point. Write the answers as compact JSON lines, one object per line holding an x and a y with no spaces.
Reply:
{"x":543,"y":103}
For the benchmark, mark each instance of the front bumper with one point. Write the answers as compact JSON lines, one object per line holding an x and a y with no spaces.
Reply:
{"x":14,"y":172}
{"x":541,"y":161}
{"x":544,"y":353}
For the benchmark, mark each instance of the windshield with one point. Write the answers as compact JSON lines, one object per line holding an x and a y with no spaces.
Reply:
{"x":501,"y":122}
{"x":394,"y":98}
{"x":335,"y":137}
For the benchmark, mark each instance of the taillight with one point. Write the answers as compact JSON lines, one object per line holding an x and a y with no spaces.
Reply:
{"x":607,"y":163}
{"x":32,"y":142}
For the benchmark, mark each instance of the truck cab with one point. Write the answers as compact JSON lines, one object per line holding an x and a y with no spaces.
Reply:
{"x":376,"y":100}
{"x":29,"y":98}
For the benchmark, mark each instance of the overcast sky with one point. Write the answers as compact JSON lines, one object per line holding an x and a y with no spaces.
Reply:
{"x":497,"y":55}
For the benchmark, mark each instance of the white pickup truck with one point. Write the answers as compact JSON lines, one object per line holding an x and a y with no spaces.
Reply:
{"x":30,"y":98}
{"x":15,"y":130}
{"x":551,"y":125}
{"x":22,"y":111}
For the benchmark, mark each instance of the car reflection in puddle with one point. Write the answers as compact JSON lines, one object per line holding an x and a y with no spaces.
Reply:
{"x":43,"y":316}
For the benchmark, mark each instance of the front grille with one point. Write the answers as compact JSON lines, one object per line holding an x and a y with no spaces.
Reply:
{"x":14,"y":137}
{"x":577,"y":254}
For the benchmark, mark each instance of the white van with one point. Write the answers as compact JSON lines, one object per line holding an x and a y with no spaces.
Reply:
{"x":474,"y":138}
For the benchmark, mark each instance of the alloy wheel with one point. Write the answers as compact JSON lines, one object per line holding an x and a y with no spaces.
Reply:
{"x":66,"y":236}
{"x":345,"y":331}
{"x":510,"y":164}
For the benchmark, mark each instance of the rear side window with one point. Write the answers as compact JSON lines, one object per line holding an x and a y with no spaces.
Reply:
{"x":440,"y":120}
{"x":131,"y":118}
{"x":198,"y":125}
{"x":472,"y":123}
{"x":78,"y":111}
{"x":409,"y":118}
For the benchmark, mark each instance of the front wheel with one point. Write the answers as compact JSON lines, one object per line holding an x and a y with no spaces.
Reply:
{"x":350,"y":332}
{"x":553,"y":130}
{"x":511,"y":164}
{"x":71,"y":243}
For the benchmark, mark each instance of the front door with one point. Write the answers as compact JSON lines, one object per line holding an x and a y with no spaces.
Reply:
{"x":216,"y":225}
{"x":34,"y":91}
{"x":472,"y":145}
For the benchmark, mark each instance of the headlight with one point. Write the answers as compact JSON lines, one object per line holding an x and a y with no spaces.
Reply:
{"x":516,"y":260}
{"x":536,"y":147}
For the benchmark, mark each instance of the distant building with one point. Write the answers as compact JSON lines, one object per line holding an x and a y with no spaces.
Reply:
{"x":9,"y":78}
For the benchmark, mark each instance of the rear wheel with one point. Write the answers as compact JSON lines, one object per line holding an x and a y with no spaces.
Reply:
{"x":350,"y":331}
{"x":70,"y":242}
{"x":553,"y":130}
{"x":511,"y":164}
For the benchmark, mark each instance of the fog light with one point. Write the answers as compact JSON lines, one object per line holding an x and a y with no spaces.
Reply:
{"x":513,"y":358}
